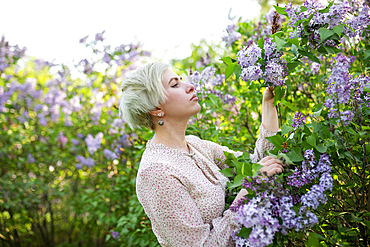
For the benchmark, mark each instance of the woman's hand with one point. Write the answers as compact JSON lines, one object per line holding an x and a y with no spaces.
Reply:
{"x":268,"y":96}
{"x":271,"y":165}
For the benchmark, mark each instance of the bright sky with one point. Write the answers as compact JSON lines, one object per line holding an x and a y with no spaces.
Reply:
{"x":51,"y":29}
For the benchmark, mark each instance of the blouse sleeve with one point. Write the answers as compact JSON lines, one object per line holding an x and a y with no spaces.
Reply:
{"x":262,"y":144}
{"x":174,"y":215}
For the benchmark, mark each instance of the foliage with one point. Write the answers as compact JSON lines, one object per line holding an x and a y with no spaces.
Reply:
{"x":68,"y":161}
{"x":336,"y":102}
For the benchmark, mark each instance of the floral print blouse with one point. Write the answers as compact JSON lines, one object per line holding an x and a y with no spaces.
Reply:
{"x":183,"y":193}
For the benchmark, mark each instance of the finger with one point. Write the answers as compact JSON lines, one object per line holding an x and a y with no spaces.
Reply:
{"x":271,"y":170}
{"x":266,"y":158}
{"x":271,"y":162}
{"x":275,"y":171}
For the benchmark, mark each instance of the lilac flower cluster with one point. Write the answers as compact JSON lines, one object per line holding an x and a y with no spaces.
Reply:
{"x":9,"y":54}
{"x":232,"y":35}
{"x":93,"y":144}
{"x":275,"y":68}
{"x":207,"y":82}
{"x":89,"y":162}
{"x":345,"y":91}
{"x":274,"y":199}
{"x":355,"y":17}
{"x":357,"y":23}
{"x":298,"y":120}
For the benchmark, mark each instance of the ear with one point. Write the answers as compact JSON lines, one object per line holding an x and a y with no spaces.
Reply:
{"x":156,"y":112}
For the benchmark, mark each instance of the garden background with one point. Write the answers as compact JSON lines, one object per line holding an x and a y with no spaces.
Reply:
{"x":68,"y":162}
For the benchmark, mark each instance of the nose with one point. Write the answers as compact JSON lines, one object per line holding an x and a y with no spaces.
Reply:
{"x":190,"y":88}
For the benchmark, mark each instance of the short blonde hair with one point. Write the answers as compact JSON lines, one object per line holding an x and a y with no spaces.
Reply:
{"x":142,"y":92}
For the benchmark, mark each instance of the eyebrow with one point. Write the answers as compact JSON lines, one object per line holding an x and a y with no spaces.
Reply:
{"x":178,"y":77}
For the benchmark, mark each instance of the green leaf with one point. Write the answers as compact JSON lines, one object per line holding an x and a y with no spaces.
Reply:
{"x":295,"y":155}
{"x":214,"y":99}
{"x":367,"y":223}
{"x":293,"y":49}
{"x":294,"y":41}
{"x":367,"y":54}
{"x":255,"y":168}
{"x":280,"y":43}
{"x":247,"y":169}
{"x":321,"y":148}
{"x":325,"y":33}
{"x":229,"y":71}
{"x":228,"y":172}
{"x":285,"y":157}
{"x":244,"y":232}
{"x":280,"y":10}
{"x":226,"y":60}
{"x":309,"y":55}
{"x":317,"y":111}
{"x":237,"y":181}
{"x":293,"y":65}
{"x":289,"y":105}
{"x":279,"y":93}
{"x":312,"y":141}
{"x":237,"y":70}
{"x":261,"y":42}
{"x":338,"y":29}
{"x":276,"y":140}
{"x":313,"y":240}
{"x":286,"y":129}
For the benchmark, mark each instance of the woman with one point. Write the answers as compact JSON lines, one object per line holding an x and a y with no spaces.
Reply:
{"x":178,"y":182}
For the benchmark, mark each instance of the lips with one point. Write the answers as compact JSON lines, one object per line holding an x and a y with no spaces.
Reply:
{"x":194,"y":97}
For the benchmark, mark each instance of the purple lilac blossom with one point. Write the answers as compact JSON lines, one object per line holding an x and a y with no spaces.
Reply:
{"x":248,"y":56}
{"x":232,"y":35}
{"x":298,"y":120}
{"x":99,"y":36}
{"x":89,"y":162}
{"x":358,"y":23}
{"x":30,"y":158}
{"x":326,"y":181}
{"x":93,"y":144}
{"x":314,"y":196}
{"x":315,"y":67}
{"x":206,"y":82}
{"x":116,"y":235}
{"x":297,"y":179}
{"x":83,"y":40}
{"x":109,"y":154}
{"x":61,"y":138}
{"x":274,"y":73}
{"x":344,"y":90}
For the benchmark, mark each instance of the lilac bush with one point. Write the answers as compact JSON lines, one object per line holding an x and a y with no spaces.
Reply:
{"x":268,"y":207}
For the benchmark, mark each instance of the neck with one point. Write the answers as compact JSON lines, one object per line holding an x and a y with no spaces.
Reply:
{"x":171,"y":134}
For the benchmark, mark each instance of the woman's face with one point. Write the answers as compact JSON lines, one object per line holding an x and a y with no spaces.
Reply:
{"x":182,"y":102}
